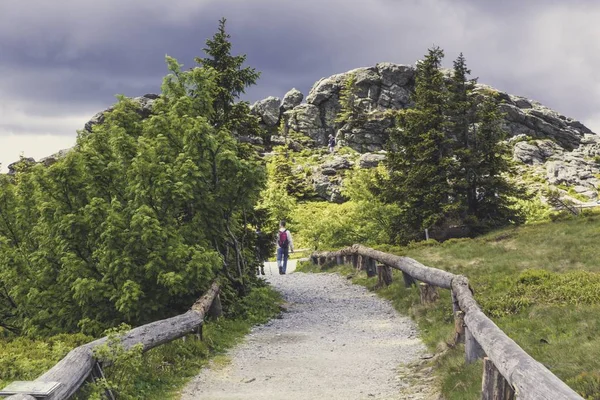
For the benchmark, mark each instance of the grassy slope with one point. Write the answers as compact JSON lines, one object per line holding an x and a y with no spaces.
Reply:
{"x":554,"y":316}
{"x":163,"y":370}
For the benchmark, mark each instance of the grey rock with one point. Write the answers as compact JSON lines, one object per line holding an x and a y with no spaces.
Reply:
{"x":268,"y":109}
{"x":47,"y":161}
{"x":277,"y":140}
{"x":306,"y":119}
{"x":336,"y":196}
{"x":322,"y":186}
{"x":560,"y":173}
{"x":292,"y":99}
{"x":370,"y":160}
{"x":328,"y":171}
{"x":251,"y":139}
{"x":337,"y":163}
{"x":536,"y":152}
{"x":146,"y":102}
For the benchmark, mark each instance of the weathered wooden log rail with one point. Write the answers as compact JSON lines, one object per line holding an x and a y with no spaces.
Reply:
{"x":508,"y":369}
{"x":72,"y":371}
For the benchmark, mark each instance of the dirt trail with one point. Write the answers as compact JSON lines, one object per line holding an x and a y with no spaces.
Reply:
{"x":337,"y":341}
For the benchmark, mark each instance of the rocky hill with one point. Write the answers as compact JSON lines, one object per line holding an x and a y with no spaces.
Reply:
{"x":551,"y":148}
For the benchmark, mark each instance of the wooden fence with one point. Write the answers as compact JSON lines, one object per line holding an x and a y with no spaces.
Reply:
{"x":508,"y":370}
{"x":69,"y":374}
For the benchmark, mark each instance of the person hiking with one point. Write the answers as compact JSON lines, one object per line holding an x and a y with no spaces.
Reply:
{"x":284,"y":245}
{"x":331,"y":143}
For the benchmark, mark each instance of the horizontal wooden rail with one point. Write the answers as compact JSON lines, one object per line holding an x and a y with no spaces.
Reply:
{"x":529,"y":379}
{"x":72,"y":371}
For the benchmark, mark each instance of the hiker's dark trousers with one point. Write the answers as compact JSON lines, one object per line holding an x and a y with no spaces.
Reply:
{"x":282,"y":257}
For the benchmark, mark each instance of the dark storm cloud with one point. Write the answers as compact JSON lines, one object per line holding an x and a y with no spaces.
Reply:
{"x":65,"y":60}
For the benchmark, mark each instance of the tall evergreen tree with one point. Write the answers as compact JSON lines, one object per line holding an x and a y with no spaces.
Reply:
{"x":420,"y":158}
{"x":480,"y":180}
{"x":494,"y":193}
{"x":462,"y":118}
{"x":232,"y":79}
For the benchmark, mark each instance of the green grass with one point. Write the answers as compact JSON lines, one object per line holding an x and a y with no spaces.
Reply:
{"x":539,"y":283}
{"x":164,"y":370}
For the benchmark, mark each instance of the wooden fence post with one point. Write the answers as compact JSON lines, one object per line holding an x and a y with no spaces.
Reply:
{"x":355,"y":261}
{"x":216,"y":309}
{"x":429,"y":293}
{"x":408,"y":280}
{"x":384,"y":275}
{"x":371,"y":267}
{"x":361,"y":263}
{"x":459,"y":327}
{"x":473,"y":350}
{"x":493,"y":384}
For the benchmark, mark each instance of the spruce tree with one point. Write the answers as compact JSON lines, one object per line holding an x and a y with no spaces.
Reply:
{"x":420,"y":153}
{"x":482,"y":191}
{"x":349,"y":111}
{"x":494,"y":194}
{"x":232,"y":80}
{"x":462,"y":117}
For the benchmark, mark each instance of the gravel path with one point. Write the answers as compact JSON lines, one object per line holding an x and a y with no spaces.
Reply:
{"x":337,"y":341}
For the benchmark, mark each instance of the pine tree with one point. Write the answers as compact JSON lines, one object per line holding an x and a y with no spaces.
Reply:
{"x":494,"y":194}
{"x":482,"y":158}
{"x":420,"y":153}
{"x":462,"y":118}
{"x":232,"y":79}
{"x":349,"y":111}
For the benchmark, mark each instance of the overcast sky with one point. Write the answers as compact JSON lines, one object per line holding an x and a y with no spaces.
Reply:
{"x":62,"y":61}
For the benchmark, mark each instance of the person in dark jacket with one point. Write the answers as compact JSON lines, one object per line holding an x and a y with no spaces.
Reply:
{"x":331,"y":143}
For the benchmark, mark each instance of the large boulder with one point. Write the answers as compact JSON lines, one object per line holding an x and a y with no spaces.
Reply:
{"x":337,"y":163}
{"x":535,"y":152}
{"x":306,"y":119}
{"x":370,"y":160}
{"x":292,"y":99}
{"x":268,"y":109}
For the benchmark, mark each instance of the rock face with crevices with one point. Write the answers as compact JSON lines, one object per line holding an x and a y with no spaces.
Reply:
{"x":336,"y":341}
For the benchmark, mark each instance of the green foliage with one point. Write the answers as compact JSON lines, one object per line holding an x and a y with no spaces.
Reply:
{"x":363,"y":219}
{"x":537,"y":286}
{"x":448,"y":162}
{"x":25,"y":359}
{"x":349,"y":112}
{"x":587,"y":384}
{"x":162,"y":371}
{"x":420,"y":160}
{"x":134,"y":223}
{"x":533,"y":209}
{"x":232,"y":79}
{"x":122,"y":364}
